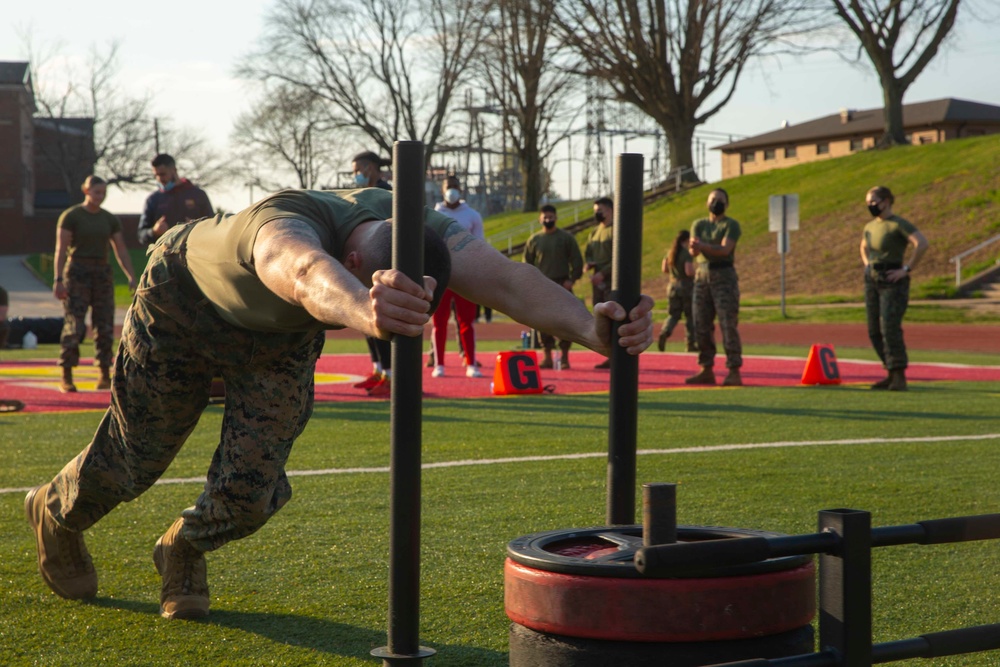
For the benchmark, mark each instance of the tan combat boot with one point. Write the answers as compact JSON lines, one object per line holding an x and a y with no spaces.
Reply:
{"x":705,"y":376}
{"x":67,"y":386}
{"x":897,"y":380}
{"x":63,"y":559}
{"x":733,"y":378}
{"x":883,"y":383}
{"x":661,"y":341}
{"x":105,"y":382}
{"x":185,"y":575}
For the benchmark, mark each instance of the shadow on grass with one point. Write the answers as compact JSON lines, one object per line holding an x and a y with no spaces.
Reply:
{"x":325,"y":636}
{"x":315,"y":634}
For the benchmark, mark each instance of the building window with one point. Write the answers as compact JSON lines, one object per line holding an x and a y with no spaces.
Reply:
{"x":768,"y":153}
{"x":822,"y":149}
{"x":790,"y":152}
{"x":857,"y":145}
{"x":748,"y":156}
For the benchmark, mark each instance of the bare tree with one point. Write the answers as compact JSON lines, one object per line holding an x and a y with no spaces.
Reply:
{"x":900,"y":37}
{"x":520,"y":61}
{"x":678,"y":60}
{"x":389,"y":68}
{"x":125,"y":134}
{"x":121,"y":133}
{"x":289,"y":129}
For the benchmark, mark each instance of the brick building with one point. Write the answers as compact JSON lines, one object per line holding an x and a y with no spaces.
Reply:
{"x":43,"y":161}
{"x":851,"y":131}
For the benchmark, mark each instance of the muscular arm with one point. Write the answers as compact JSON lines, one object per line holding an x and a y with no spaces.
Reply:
{"x":291,"y":262}
{"x":712,"y":251}
{"x":484,"y":276}
{"x":919,"y":243}
{"x":124,"y":259}
{"x":64,"y":238}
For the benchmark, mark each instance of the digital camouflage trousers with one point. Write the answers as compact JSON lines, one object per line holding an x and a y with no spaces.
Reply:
{"x":718,"y":295}
{"x":885,"y":305}
{"x":172,"y":343}
{"x":89,"y":285}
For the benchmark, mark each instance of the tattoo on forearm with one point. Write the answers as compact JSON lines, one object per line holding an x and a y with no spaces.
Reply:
{"x":455,"y":229}
{"x":469,"y":238}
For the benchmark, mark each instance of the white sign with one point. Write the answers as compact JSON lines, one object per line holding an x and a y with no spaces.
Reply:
{"x":783,"y":206}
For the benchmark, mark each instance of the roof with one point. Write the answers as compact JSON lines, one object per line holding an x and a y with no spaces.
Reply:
{"x":82,"y":127}
{"x":871,"y":121}
{"x":14,"y":73}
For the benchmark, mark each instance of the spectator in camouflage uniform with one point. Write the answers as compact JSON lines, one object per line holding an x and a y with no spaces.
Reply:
{"x":556,"y":254}
{"x":679,"y":265}
{"x":598,"y":254}
{"x":252,"y":294}
{"x":716,"y":290}
{"x":887,"y":282}
{"x":83,"y":278}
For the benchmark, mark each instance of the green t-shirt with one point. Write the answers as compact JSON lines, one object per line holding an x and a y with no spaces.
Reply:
{"x":555,"y":254}
{"x":681,"y":257}
{"x":220,"y":250}
{"x":599,"y":248}
{"x":887,"y":239}
{"x":91,"y":231}
{"x":715,"y":233}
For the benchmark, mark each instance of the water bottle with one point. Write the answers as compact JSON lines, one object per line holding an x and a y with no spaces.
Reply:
{"x":30,"y":341}
{"x":525,"y":340}
{"x":558,"y":364}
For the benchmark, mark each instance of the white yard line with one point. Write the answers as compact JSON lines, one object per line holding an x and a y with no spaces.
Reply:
{"x":595,"y":455}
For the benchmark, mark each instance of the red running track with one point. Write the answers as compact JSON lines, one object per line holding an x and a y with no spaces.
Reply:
{"x":36,"y":383}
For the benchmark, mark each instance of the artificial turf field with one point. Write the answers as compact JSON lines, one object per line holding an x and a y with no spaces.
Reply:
{"x":310,"y":587}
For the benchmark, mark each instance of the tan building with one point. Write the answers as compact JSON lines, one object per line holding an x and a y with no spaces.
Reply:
{"x":851,"y":131}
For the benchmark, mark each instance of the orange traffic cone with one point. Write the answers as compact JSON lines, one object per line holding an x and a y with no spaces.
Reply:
{"x":821,"y":366}
{"x":517,"y":373}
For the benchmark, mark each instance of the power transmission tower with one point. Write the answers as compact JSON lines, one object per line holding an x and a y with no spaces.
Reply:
{"x":595,"y":174}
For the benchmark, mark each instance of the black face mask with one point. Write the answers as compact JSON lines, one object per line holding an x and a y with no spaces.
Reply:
{"x":718,"y":207}
{"x":548,"y":224}
{"x":599,"y":216}
{"x":875,"y":210}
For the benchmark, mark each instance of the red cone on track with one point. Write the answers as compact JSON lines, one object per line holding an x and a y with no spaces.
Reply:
{"x":821,"y":366}
{"x":517,"y":373}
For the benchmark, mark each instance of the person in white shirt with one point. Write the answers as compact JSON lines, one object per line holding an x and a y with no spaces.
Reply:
{"x":465,"y":311}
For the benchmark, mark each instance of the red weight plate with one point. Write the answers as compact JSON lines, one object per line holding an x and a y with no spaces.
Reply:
{"x":660,"y":610}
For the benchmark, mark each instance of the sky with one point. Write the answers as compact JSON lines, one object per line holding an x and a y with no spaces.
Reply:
{"x":185,"y":53}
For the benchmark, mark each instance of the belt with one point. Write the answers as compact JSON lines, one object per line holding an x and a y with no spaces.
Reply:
{"x":720,"y":265}
{"x":886,"y":266}
{"x":89,"y":260}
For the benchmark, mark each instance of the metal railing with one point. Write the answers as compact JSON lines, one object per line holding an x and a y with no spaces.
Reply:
{"x":957,"y":259}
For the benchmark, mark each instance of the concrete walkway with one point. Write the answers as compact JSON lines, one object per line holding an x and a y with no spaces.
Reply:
{"x":29,"y":296}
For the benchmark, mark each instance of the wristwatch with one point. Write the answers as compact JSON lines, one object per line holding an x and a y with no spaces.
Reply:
{"x":906,"y":267}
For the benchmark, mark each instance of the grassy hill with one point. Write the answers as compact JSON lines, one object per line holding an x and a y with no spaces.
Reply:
{"x":950,"y":191}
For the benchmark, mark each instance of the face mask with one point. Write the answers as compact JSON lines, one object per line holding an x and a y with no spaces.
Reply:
{"x":452,"y":195}
{"x":875,"y":210}
{"x":718,"y":207}
{"x":548,"y":224}
{"x":599,"y":216}
{"x":167,"y":187}
{"x":361,"y":180}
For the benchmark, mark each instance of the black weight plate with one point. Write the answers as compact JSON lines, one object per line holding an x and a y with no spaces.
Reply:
{"x":610,"y":551}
